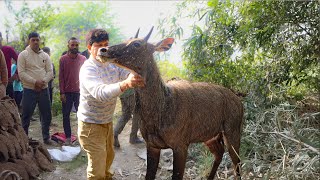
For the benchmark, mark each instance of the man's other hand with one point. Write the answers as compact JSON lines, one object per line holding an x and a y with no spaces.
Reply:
{"x":63,"y":98}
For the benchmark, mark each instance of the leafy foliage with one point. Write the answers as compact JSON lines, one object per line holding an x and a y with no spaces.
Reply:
{"x":263,"y":47}
{"x":170,"y":70}
{"x":29,"y":20}
{"x":69,"y":23}
{"x":56,"y":24}
{"x":270,"y":50}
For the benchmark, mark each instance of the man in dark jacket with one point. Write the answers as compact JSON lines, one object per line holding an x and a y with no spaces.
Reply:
{"x":127,"y":103}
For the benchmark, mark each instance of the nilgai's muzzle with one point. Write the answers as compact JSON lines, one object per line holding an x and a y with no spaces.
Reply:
{"x":102,"y":55}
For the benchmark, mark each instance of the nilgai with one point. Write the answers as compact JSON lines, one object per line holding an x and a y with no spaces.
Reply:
{"x":178,"y":113}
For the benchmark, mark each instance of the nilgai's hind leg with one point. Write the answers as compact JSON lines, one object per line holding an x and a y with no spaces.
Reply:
{"x":216,"y":147}
{"x":233,"y":145}
{"x":153,"y":155}
{"x":179,"y":162}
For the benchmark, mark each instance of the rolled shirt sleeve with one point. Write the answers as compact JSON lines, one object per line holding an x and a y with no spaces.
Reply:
{"x":97,"y":86}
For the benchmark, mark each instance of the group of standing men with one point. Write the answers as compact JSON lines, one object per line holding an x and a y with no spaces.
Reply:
{"x":90,"y":84}
{"x":34,"y":71}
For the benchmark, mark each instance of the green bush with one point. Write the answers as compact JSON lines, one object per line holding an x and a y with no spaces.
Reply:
{"x":170,"y":70}
{"x":56,"y":108}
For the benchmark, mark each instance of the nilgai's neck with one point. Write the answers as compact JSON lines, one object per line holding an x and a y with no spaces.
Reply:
{"x":152,"y":97}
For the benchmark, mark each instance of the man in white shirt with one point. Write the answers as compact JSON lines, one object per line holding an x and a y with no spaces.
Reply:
{"x":100,"y":85}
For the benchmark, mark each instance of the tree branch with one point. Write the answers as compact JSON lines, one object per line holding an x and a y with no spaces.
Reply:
{"x":297,"y":141}
{"x":304,"y":29}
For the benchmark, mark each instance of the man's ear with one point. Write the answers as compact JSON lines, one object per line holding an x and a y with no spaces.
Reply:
{"x":89,"y":48}
{"x":164,"y":45}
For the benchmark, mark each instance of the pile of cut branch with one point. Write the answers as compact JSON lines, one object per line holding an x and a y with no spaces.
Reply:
{"x":281,"y":142}
{"x":20,"y":157}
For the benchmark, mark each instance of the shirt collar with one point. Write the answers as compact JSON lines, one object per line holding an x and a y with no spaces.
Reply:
{"x":98,"y":63}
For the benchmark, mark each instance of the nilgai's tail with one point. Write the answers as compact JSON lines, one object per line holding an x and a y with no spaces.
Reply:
{"x":233,"y":145}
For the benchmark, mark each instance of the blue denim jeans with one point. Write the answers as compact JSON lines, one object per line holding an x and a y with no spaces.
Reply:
{"x":18,"y":97}
{"x":71,"y":99}
{"x":30,"y":99}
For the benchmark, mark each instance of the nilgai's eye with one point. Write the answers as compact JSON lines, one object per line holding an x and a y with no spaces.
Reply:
{"x":136,"y":44}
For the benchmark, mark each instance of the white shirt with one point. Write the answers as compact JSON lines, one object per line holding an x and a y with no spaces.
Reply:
{"x":99,"y":89}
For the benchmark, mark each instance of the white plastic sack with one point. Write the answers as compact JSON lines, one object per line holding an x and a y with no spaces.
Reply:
{"x":66,"y":154}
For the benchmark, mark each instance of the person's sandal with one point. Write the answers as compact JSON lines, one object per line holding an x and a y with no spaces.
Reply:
{"x":116,"y":142}
{"x":50,"y":142}
{"x":68,"y":142}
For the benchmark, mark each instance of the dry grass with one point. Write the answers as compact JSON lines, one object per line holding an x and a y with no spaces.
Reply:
{"x":277,"y":143}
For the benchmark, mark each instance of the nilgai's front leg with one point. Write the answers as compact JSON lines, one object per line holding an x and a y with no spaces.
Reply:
{"x":153,"y":155}
{"x":179,"y":162}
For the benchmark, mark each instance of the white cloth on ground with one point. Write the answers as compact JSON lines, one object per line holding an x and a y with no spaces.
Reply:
{"x":66,"y":154}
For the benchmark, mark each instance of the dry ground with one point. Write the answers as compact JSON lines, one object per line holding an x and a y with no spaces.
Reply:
{"x":127,"y":164}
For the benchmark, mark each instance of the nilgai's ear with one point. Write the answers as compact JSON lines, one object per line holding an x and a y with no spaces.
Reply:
{"x":164,"y":45}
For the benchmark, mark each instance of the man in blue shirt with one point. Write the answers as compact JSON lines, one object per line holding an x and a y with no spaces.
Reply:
{"x":17,"y":85}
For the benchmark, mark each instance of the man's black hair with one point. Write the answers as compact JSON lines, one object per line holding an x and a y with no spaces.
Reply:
{"x":96,"y":35}
{"x":33,"y":34}
{"x":73,"y":39}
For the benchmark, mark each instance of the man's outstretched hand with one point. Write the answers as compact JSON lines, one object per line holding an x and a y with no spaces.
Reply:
{"x":132,"y":81}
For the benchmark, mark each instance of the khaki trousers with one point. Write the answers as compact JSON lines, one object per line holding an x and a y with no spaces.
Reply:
{"x":97,"y":142}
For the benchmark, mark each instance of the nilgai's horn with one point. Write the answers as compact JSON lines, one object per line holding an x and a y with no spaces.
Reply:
{"x":136,"y":36}
{"x":147,"y":37}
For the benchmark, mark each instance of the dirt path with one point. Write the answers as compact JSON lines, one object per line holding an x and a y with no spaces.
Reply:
{"x":127,"y":165}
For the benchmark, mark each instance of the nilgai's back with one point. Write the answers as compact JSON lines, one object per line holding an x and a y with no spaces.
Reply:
{"x":208,"y":110}
{"x":209,"y":107}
